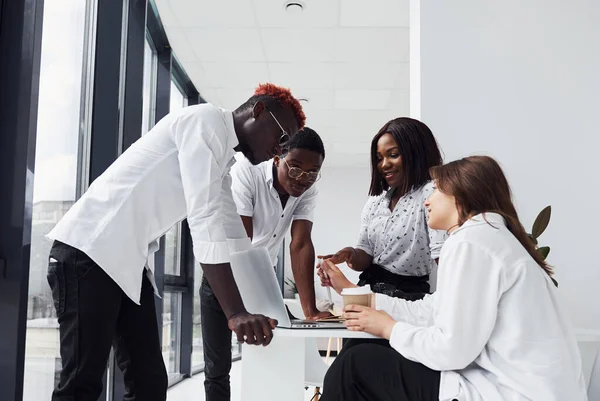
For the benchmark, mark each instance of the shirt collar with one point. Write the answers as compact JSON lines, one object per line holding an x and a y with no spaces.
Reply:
{"x":232,"y":139}
{"x":268,"y":166}
{"x":494,"y":219}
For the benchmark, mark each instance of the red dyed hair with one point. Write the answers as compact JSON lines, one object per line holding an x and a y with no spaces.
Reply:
{"x":285,"y":98}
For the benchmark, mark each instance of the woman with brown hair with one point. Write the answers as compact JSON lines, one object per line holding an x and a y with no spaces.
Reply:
{"x":494,"y":330}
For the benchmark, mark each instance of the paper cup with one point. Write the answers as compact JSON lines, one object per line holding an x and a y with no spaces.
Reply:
{"x":357,"y":296}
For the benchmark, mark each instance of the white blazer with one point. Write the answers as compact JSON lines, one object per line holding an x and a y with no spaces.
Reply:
{"x":495,"y":327}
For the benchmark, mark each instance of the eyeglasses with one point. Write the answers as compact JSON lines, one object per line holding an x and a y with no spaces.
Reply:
{"x":296,"y":173}
{"x":285,"y":137}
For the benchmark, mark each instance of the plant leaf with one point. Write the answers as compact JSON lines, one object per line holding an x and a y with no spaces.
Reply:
{"x":541,"y":222}
{"x":535,"y":241}
{"x":544,"y":251}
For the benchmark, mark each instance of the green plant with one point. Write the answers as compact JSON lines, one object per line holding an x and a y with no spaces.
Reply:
{"x":290,"y":283}
{"x":539,"y":226}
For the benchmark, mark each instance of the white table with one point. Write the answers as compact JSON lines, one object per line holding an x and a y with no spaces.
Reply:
{"x":277,"y":371}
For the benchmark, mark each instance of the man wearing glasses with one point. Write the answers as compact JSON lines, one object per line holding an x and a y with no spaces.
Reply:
{"x":270,"y":197}
{"x":101,"y":267}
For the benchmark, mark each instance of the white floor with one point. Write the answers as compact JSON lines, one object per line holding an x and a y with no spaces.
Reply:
{"x":193,"y":389}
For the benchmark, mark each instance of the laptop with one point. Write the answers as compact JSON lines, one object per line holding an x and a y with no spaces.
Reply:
{"x":261,"y":294}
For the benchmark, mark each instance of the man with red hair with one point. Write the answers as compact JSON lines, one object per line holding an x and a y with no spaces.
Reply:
{"x":101,"y":268}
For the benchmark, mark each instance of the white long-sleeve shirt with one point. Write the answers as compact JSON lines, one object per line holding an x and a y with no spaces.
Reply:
{"x":494,"y":327}
{"x":179,"y":169}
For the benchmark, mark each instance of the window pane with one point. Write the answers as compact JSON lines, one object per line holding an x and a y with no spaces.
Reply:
{"x":171,"y":336}
{"x":172,"y":250}
{"x":178,"y":100}
{"x":55,"y":182}
{"x":148,"y":106}
{"x":197,"y":348}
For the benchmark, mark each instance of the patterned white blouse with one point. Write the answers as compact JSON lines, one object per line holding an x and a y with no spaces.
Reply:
{"x":400,"y":240}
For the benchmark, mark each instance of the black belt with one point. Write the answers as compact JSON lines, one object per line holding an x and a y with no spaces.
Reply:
{"x":394,"y":285}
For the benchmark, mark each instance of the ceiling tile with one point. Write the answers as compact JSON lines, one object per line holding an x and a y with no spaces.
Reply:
{"x":209,"y":13}
{"x":374,"y":13}
{"x":232,"y":98}
{"x":167,"y":17}
{"x":371,"y":75}
{"x":372,"y":44}
{"x":361,"y":99}
{"x":302,"y":75}
{"x":235,"y":75}
{"x":211,"y":96}
{"x":225,"y":44}
{"x":400,"y":100}
{"x":292,"y":45}
{"x":180,"y":45}
{"x":316,"y":14}
{"x":196,"y":74}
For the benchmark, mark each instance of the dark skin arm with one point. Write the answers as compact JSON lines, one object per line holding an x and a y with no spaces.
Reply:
{"x":252,"y":329}
{"x":248,"y":225}
{"x":356,"y":259}
{"x":302,"y":253}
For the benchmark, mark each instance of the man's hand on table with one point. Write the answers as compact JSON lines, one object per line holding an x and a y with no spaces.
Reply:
{"x":252,"y":329}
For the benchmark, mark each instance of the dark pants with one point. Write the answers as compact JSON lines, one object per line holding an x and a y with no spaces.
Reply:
{"x":94,"y":314}
{"x":370,"y":372}
{"x":216,"y":341}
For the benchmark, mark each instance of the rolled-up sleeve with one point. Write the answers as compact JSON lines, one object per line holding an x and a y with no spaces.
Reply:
{"x":363,"y":242}
{"x":204,"y":161}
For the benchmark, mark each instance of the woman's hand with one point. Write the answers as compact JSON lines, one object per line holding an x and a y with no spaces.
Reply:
{"x":362,"y":318}
{"x":331,"y":276}
{"x":346,"y":255}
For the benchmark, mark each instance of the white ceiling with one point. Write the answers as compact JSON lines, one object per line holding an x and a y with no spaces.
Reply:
{"x":349,"y":58}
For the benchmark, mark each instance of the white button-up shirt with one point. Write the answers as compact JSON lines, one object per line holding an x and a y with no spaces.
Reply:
{"x":400,"y":240}
{"x":494,"y":327}
{"x":179,"y":169}
{"x":256,"y":197}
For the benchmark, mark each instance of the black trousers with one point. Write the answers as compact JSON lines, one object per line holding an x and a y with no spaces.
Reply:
{"x":216,"y":341}
{"x":93,"y":315}
{"x":370,"y":372}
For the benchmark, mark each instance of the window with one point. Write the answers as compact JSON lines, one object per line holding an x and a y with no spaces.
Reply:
{"x":197,"y":347}
{"x":149,"y":91}
{"x":172,"y":319}
{"x":173,"y":236}
{"x":173,"y":251}
{"x":178,"y":98}
{"x":56,"y":179}
{"x":171,"y":335}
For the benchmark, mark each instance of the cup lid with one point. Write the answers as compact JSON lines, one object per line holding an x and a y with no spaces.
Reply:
{"x":364,"y":290}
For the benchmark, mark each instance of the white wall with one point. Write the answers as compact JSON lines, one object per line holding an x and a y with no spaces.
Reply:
{"x":342,"y":195}
{"x":520,"y":81}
